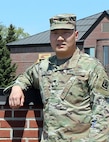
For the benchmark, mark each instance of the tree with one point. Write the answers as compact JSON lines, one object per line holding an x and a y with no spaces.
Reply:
{"x":7,"y":69}
{"x":11,"y":34}
{"x":19,"y":32}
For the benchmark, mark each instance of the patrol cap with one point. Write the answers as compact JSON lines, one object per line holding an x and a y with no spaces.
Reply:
{"x":63,"y":21}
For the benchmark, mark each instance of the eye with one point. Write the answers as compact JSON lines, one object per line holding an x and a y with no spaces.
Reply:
{"x":67,"y":32}
{"x":53,"y":32}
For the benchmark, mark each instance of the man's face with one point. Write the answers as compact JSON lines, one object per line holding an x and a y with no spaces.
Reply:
{"x":63,"y":42}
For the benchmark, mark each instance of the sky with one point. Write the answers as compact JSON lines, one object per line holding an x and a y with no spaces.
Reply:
{"x":33,"y":15}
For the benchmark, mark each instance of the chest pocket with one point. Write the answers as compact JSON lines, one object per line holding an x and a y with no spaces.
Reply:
{"x":76,"y":89}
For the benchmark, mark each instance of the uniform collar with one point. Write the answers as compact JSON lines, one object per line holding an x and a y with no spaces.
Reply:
{"x":71,"y":62}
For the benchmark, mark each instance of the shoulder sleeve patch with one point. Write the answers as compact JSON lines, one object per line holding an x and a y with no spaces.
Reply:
{"x":105,"y":84}
{"x":102,"y":86}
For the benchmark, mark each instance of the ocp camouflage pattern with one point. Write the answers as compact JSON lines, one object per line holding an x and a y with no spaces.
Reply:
{"x":75,"y":97}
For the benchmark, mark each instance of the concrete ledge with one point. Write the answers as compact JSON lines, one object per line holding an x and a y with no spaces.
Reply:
{"x":3,"y":100}
{"x":32,"y":97}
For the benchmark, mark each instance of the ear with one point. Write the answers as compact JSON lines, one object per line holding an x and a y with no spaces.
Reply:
{"x":76,"y":35}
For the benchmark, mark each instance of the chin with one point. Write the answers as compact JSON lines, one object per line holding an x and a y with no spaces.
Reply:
{"x":61,"y":50}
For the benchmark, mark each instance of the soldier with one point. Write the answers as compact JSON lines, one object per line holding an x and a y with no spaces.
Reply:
{"x":74,"y":88}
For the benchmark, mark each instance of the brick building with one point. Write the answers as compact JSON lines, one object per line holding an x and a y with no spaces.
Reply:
{"x":93,"y":38}
{"x":25,"y":124}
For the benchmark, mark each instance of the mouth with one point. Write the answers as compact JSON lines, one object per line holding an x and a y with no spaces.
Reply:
{"x":60,"y":45}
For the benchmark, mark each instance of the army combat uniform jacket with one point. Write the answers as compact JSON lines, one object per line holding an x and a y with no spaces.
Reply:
{"x":74,"y":95}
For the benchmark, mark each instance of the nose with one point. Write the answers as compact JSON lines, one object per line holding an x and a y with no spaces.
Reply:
{"x":60,"y":38}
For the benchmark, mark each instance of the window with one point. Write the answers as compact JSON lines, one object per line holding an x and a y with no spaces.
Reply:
{"x":105,"y":27}
{"x":106,"y":55}
{"x":90,"y":51}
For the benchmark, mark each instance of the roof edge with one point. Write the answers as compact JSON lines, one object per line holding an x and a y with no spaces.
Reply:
{"x":103,"y":14}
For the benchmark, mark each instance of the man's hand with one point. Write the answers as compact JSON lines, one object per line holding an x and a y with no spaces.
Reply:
{"x":16,"y":98}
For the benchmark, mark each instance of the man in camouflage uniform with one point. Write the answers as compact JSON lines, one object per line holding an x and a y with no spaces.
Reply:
{"x":74,"y":88}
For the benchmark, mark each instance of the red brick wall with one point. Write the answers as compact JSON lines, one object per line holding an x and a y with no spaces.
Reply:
{"x":25,"y":60}
{"x":91,"y":40}
{"x":20,"y":125}
{"x":24,"y":124}
{"x":98,"y":39}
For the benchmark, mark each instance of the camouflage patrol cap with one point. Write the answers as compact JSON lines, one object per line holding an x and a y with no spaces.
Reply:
{"x":63,"y":21}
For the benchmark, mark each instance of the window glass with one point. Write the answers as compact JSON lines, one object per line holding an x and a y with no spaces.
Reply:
{"x":105,"y":27}
{"x":90,"y":51}
{"x":106,"y":55}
